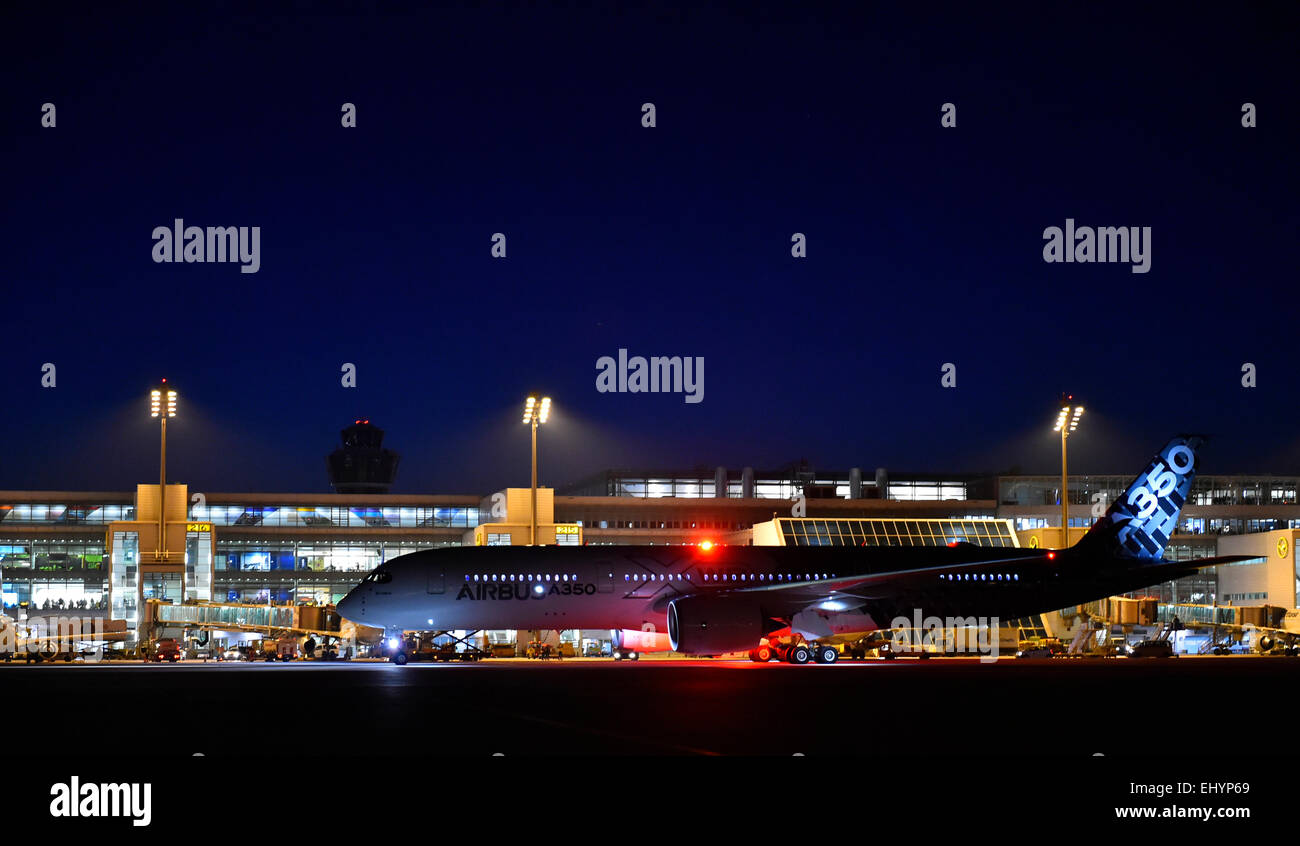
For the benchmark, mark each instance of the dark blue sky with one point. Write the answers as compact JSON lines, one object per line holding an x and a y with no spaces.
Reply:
{"x":924,"y":243}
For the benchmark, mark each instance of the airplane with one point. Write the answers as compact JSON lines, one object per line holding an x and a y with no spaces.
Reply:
{"x":721,"y":599}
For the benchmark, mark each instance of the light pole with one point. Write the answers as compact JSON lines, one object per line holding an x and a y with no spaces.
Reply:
{"x":1066,"y":422}
{"x":535,"y":413}
{"x":162,"y":404}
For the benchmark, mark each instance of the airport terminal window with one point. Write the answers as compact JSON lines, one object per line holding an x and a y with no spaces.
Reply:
{"x":325,"y":515}
{"x":63,"y":514}
{"x":876,"y":532}
{"x":63,"y":595}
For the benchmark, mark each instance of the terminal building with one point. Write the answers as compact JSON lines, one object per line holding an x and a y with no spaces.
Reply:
{"x":108,"y":552}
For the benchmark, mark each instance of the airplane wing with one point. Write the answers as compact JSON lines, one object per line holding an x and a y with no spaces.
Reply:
{"x":866,"y":586}
{"x":853,"y":591}
{"x":1169,"y":570}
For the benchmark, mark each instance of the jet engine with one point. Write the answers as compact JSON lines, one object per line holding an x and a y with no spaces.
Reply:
{"x":712,"y":625}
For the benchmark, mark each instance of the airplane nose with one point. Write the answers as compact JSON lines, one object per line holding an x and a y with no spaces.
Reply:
{"x":351,"y":607}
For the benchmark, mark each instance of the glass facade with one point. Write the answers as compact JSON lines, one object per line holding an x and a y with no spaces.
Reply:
{"x":767,"y":488}
{"x":250,"y":515}
{"x":1206,"y":490}
{"x":347,"y":517}
{"x":52,"y":555}
{"x":59,"y":594}
{"x":342,"y":555}
{"x":61,"y":514}
{"x":260,"y":589}
{"x":926,"y":491}
{"x":161,"y":586}
{"x":785,"y":483}
{"x":691,"y":488}
{"x":881,"y":532}
{"x":124,"y":580}
{"x":198,"y":565}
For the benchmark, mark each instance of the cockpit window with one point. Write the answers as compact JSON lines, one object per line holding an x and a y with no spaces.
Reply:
{"x":380,"y":577}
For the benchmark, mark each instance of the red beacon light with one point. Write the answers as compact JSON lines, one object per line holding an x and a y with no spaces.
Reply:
{"x":706,"y":546}
{"x":1051,"y":555}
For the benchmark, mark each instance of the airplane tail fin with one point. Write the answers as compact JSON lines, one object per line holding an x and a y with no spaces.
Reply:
{"x":1137,"y":526}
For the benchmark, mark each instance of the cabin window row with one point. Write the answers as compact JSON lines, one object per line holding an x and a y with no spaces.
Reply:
{"x":766,"y":577}
{"x":979,"y":577}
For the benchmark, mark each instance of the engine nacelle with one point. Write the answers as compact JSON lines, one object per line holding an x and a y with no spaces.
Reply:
{"x":712,"y":625}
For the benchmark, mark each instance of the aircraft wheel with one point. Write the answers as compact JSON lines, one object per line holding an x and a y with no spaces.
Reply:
{"x":399,"y":659}
{"x":827,"y":655}
{"x":799,"y":655}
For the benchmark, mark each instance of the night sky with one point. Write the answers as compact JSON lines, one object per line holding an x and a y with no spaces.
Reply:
{"x":924,"y":243}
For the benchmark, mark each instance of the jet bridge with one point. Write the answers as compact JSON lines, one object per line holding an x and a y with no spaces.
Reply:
{"x":322,"y":622}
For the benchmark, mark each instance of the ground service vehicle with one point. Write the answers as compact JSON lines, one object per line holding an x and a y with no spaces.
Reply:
{"x":167,"y":649}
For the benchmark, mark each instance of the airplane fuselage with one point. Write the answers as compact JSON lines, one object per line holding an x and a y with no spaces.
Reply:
{"x":629,"y":587}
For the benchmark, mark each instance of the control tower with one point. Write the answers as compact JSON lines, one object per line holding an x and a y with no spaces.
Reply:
{"x":362,"y":465}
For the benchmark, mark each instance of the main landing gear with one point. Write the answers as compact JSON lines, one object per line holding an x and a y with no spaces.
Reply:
{"x":797,"y":653}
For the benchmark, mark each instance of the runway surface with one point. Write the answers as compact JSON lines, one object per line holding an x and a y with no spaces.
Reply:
{"x":516,"y":707}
